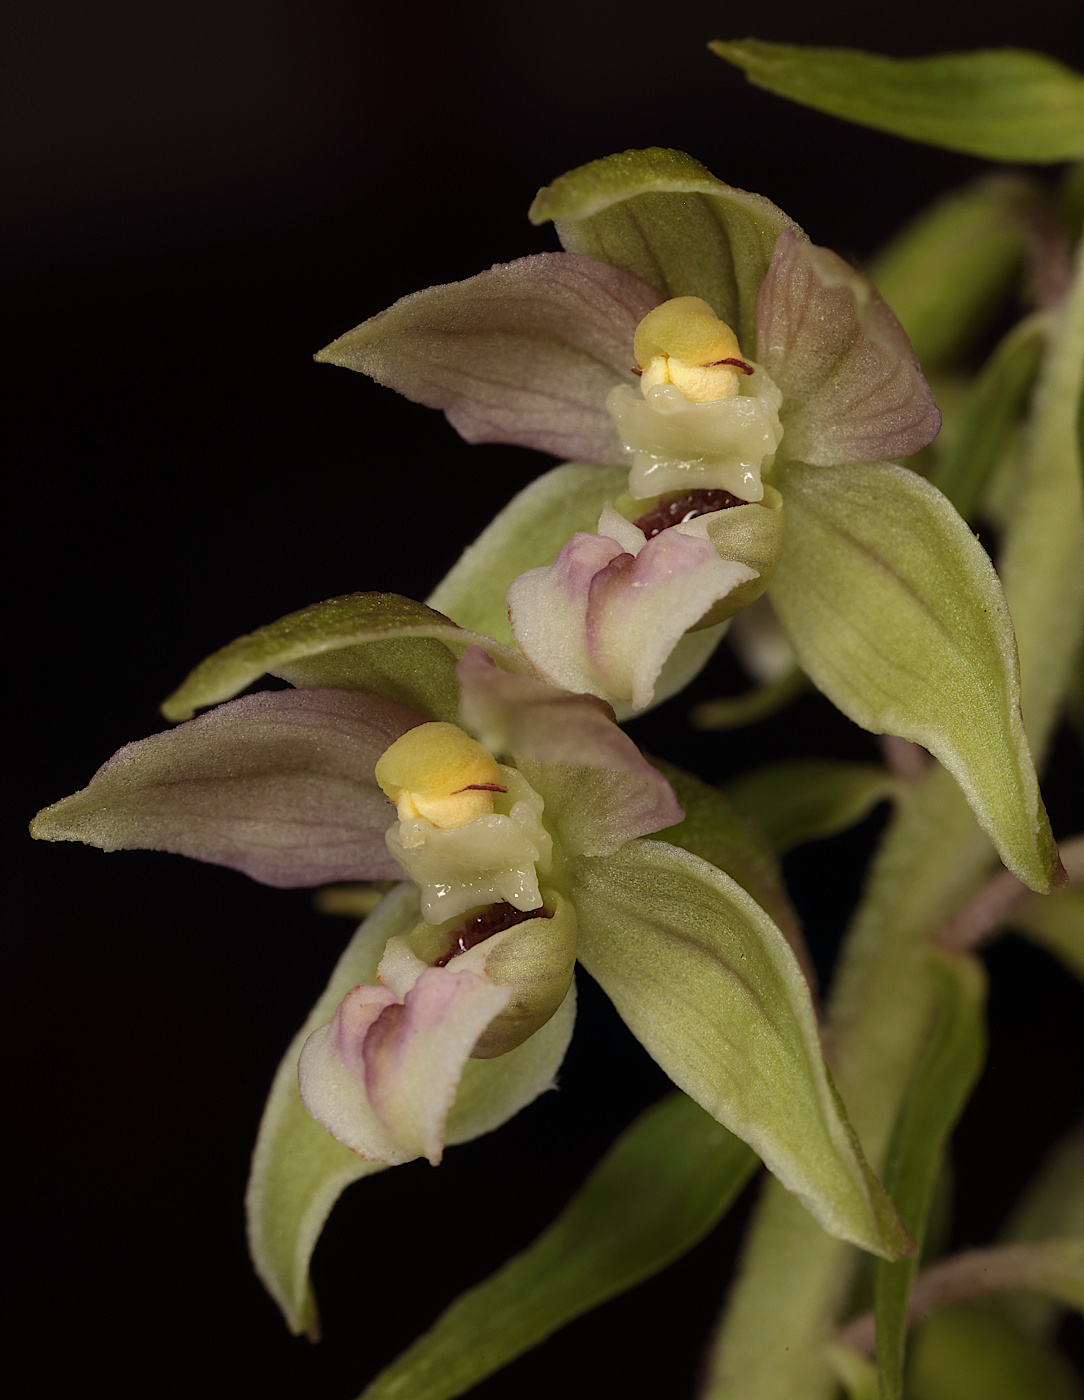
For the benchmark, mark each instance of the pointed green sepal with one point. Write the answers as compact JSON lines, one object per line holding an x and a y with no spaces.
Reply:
{"x":663,"y":216}
{"x":897,"y":615}
{"x":709,"y":985}
{"x":376,"y":642}
{"x":658,"y":1191}
{"x":1004,"y":104}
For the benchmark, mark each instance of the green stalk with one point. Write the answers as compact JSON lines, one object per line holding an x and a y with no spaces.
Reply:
{"x":794,"y":1278}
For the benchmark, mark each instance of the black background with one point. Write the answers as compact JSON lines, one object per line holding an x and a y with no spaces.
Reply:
{"x":201,"y":195}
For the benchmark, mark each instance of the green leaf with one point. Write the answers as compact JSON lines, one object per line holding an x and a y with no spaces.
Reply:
{"x":947,"y":271}
{"x":1042,"y":558}
{"x":1056,"y":922}
{"x":942,"y":1082}
{"x":659,"y":1190}
{"x":1004,"y":104}
{"x":716,"y":831}
{"x":374,"y":642}
{"x":751,"y":706}
{"x":527,"y":533}
{"x":299,"y":1172}
{"x":994,"y":405}
{"x":709,"y":985}
{"x":809,"y":799}
{"x":967,"y":1352}
{"x":896,"y":614}
{"x":663,"y":216}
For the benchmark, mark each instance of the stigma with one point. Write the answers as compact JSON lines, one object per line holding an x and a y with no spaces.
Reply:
{"x":683,"y":343}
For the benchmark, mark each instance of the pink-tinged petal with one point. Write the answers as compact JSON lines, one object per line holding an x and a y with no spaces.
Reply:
{"x":331,"y":1077}
{"x":279,"y":785}
{"x":640,"y":607}
{"x":547,"y":608}
{"x":852,"y":387}
{"x":599,"y":789}
{"x":415,"y":1053}
{"x":382,"y":1076}
{"x":524,"y":353}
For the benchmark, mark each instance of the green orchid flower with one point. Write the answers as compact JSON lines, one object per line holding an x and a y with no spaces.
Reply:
{"x":713,"y":374}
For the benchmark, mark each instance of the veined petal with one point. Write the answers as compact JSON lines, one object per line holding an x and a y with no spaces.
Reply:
{"x":547,"y":608}
{"x":641,"y":605}
{"x":523,"y":353}
{"x":279,"y":785}
{"x":599,"y":789}
{"x":381,"y":1077}
{"x":852,"y":387}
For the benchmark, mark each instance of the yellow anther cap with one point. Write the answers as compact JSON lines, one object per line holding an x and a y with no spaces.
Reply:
{"x":436,"y":771}
{"x":680,"y":343}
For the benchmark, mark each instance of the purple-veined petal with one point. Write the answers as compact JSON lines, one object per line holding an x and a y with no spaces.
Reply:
{"x":599,"y":789}
{"x":381,"y":1077}
{"x":278,"y":785}
{"x":641,"y":605}
{"x":524,"y":353}
{"x":852,"y":387}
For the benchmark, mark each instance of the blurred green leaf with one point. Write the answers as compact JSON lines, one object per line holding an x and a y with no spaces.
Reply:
{"x":995,"y":403}
{"x":942,"y":1082}
{"x":1056,"y":922}
{"x":1042,"y":557}
{"x":1003,"y":104}
{"x":896,"y":614}
{"x":966,"y":1352}
{"x":375,"y":642}
{"x":709,"y":986}
{"x":659,"y":1190}
{"x":761,"y":702}
{"x":948,"y":270}
{"x":663,"y":216}
{"x":808,"y":799}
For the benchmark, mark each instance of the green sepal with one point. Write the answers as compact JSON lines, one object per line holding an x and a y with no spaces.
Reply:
{"x":711,"y":988}
{"x":526,"y":534}
{"x":809,"y":799}
{"x":299,"y":1171}
{"x":1003,"y":104}
{"x":855,"y":1372}
{"x":751,"y":706}
{"x":896,"y":614}
{"x":938,"y":1091}
{"x":717,"y":831}
{"x":663,"y":216}
{"x":375,"y":642}
{"x":966,"y":1352}
{"x":658,"y":1191}
{"x":994,"y":405}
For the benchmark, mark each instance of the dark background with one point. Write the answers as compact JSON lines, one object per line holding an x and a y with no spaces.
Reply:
{"x":201,"y":195}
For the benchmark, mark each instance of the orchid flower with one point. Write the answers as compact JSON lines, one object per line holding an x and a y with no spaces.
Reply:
{"x":517,"y":812}
{"x":707,"y":366}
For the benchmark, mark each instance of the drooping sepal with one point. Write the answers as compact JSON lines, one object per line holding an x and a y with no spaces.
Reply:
{"x":896,"y":613}
{"x":716,"y":996}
